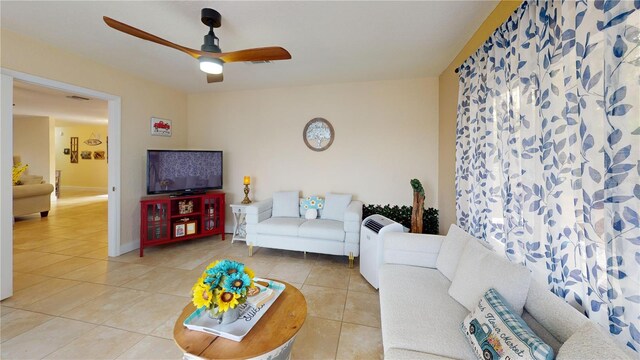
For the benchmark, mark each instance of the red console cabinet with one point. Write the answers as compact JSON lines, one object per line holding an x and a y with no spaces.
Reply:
{"x":165,"y":219}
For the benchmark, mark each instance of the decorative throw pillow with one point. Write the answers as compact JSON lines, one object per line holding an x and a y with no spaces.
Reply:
{"x":335,"y":205}
{"x":312,"y":202}
{"x":311,"y":214}
{"x":17,"y":171}
{"x":590,"y":343}
{"x":451,"y":250}
{"x":480,"y":269}
{"x":285,"y":204}
{"x":496,"y":332}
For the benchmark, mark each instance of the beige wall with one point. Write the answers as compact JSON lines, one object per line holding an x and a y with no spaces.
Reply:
{"x":448,"y":94}
{"x":31,"y":142}
{"x":92,"y":173}
{"x":386,"y":134}
{"x":141,"y":99}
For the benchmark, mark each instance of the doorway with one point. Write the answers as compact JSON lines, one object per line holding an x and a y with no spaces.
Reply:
{"x":70,"y":185}
{"x":6,"y":152}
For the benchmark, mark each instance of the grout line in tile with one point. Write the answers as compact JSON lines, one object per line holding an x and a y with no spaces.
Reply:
{"x":335,"y":354}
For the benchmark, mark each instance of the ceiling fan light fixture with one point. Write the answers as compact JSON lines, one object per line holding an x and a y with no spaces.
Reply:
{"x":211,"y":65}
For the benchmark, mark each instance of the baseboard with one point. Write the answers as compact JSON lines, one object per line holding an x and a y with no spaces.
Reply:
{"x":83,"y":188}
{"x":136,"y":245}
{"x":129,"y":247}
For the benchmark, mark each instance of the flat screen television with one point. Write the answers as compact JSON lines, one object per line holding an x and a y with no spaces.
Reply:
{"x":183,"y":171}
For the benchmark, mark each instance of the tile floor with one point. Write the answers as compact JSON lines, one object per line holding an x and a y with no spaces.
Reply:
{"x":71,"y":301}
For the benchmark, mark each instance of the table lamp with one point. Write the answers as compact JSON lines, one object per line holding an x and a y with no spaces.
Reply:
{"x":246,"y":181}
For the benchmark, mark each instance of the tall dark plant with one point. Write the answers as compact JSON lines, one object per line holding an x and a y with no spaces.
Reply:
{"x":402,"y":214}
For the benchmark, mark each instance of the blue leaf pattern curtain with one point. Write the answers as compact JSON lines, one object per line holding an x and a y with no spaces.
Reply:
{"x":548,"y":152}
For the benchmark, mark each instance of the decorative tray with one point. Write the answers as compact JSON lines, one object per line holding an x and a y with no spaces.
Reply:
{"x":199,"y":320}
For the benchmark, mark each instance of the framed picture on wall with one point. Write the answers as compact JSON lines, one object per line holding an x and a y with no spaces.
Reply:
{"x":74,"y":150}
{"x":85,"y":155}
{"x":160,"y":127}
{"x":98,"y":155}
{"x":318,"y":134}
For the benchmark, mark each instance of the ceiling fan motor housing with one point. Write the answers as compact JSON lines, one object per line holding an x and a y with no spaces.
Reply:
{"x":212,"y":19}
{"x":211,"y":42}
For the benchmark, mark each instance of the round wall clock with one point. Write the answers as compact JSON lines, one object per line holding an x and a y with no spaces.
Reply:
{"x":318,"y":134}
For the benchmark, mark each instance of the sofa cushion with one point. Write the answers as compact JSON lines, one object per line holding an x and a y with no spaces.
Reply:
{"x":31,"y":179}
{"x":496,"y":332}
{"x":404,"y":354}
{"x":590,"y":343}
{"x":335,"y":205}
{"x":25,"y":191}
{"x":540,"y":330}
{"x":322,"y":229}
{"x":480,"y":269}
{"x":280,"y":226}
{"x":451,"y":250}
{"x":552,"y":312}
{"x":417,"y":313}
{"x":285,"y":204}
{"x":411,"y":249}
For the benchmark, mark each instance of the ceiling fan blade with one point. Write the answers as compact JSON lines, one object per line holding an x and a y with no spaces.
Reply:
{"x":127,"y":29}
{"x":212,"y":78}
{"x":257,"y":54}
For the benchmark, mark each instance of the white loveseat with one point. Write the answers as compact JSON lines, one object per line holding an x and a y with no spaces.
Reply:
{"x":420,"y":320}
{"x":321,"y":236}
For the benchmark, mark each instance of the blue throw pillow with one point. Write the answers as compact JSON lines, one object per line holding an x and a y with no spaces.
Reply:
{"x":496,"y":332}
{"x":312,"y":202}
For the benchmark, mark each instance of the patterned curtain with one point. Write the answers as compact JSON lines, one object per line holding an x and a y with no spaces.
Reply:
{"x":548,"y":152}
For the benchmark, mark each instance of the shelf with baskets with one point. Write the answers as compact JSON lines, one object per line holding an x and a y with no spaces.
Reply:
{"x":166,"y":219}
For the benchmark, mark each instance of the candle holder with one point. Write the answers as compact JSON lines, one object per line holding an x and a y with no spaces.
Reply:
{"x":246,"y":195}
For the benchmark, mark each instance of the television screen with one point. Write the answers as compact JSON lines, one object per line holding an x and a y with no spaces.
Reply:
{"x":177,"y":171}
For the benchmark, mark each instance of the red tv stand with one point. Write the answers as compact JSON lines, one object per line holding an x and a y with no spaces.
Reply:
{"x":165,"y":219}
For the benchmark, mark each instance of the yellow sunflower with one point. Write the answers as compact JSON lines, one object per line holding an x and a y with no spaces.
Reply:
{"x":202,"y":294}
{"x":226,"y":300}
{"x":251,"y":274}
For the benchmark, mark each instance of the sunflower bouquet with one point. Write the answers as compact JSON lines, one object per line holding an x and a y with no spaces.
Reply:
{"x":223,"y":286}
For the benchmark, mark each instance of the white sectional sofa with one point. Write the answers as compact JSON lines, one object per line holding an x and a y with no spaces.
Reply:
{"x":421,"y":320}
{"x":296,"y":233}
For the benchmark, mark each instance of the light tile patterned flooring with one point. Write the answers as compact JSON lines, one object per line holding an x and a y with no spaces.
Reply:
{"x":73,"y":302}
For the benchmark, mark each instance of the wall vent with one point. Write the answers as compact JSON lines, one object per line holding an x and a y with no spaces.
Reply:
{"x":76,"y":97}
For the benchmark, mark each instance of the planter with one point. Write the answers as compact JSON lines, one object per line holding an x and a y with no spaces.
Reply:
{"x":226,"y":317}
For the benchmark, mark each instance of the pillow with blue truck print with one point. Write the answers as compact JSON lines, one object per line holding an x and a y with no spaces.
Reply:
{"x":496,"y":332}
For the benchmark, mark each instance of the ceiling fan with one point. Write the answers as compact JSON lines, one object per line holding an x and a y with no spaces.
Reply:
{"x":211,"y":58}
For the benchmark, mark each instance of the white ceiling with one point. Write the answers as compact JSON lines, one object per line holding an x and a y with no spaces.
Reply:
{"x":337,"y":41}
{"x":36,"y":100}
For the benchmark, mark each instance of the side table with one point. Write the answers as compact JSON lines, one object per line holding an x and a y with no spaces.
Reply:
{"x":239,"y":222}
{"x":271,"y":338}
